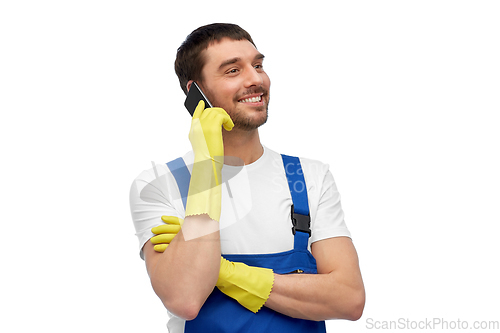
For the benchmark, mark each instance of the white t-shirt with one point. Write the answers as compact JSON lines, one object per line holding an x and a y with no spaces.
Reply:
{"x":255,"y":209}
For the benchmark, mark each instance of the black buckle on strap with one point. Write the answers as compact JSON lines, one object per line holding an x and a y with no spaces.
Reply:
{"x":301,"y":223}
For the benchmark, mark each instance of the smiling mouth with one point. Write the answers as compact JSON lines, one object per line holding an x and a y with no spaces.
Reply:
{"x":255,"y":99}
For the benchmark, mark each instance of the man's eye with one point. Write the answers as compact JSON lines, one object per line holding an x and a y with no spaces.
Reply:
{"x":232,"y":71}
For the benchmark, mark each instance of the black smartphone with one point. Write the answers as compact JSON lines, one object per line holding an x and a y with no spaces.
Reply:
{"x":194,"y":96}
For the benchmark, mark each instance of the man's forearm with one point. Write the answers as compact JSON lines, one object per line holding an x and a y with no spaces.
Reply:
{"x":185,"y":274}
{"x":317,"y":297}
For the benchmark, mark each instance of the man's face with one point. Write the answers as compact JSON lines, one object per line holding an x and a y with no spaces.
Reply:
{"x":234,"y":79}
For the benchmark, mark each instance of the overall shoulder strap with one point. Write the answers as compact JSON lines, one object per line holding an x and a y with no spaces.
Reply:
{"x":182,"y":176}
{"x":301,"y":219}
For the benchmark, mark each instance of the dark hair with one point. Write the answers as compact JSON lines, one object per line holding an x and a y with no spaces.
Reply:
{"x":190,"y":61}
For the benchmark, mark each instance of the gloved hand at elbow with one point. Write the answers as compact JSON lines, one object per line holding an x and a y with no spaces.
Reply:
{"x":166,"y":232}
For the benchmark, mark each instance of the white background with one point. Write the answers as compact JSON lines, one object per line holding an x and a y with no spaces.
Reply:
{"x":401,"y":98}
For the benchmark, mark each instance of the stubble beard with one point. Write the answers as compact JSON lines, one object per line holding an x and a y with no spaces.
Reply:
{"x":240,"y":119}
{"x":247,"y":123}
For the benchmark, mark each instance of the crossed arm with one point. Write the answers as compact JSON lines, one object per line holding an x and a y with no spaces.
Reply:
{"x":185,"y":274}
{"x":336,"y":292}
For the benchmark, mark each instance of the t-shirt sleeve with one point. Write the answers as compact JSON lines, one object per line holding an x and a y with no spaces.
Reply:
{"x":153,"y":193}
{"x":328,"y":216}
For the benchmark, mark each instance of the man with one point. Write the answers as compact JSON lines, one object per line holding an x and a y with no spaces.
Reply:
{"x":271,"y":277}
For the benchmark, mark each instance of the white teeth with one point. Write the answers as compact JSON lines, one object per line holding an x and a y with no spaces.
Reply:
{"x":252,"y":100}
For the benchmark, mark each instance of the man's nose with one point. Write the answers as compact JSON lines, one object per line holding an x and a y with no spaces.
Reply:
{"x":253,"y":78}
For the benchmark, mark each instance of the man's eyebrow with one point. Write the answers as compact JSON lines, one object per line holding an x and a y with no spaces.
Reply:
{"x":236,"y":59}
{"x":259,"y":56}
{"x":229,"y":62}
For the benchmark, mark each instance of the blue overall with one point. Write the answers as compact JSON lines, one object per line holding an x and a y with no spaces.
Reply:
{"x":221,"y":313}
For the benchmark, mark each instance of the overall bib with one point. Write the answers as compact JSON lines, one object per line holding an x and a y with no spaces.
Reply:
{"x":221,"y":313}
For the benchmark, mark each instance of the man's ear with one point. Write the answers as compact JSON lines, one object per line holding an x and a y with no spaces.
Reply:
{"x":188,"y":85}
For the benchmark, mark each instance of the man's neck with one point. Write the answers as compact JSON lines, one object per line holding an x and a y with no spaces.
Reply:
{"x":244,"y":145}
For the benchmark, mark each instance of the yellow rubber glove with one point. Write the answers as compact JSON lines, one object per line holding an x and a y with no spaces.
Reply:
{"x":166,"y":232}
{"x":204,"y":195}
{"x":250,"y":286}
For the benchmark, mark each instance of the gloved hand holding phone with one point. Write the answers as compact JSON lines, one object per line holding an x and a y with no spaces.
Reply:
{"x":204,"y":195}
